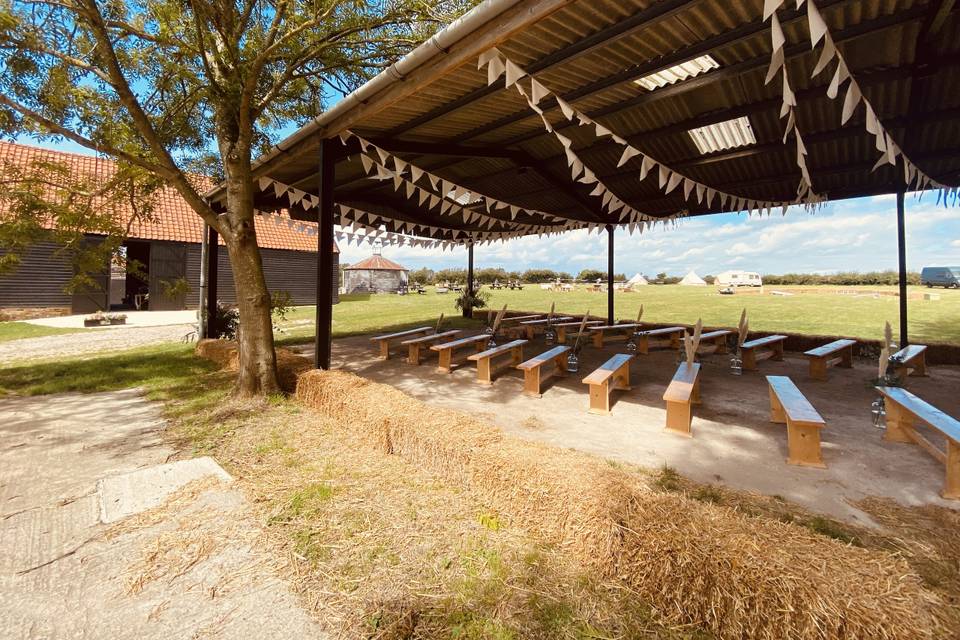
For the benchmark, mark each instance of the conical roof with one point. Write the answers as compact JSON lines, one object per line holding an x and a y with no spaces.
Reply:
{"x":693,"y":279}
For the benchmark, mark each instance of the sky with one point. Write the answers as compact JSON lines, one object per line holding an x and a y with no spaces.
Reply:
{"x":847,"y":235}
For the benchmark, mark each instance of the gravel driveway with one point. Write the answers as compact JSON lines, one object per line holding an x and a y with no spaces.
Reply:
{"x":88,"y":342}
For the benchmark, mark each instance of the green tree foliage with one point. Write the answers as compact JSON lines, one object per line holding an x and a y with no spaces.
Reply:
{"x":845,"y":278}
{"x":422,"y":276}
{"x":174,"y":89}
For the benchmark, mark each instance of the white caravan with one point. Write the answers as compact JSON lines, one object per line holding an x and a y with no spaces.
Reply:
{"x":738,"y":279}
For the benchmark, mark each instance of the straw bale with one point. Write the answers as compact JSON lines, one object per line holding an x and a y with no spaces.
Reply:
{"x":696,"y":563}
{"x":226,"y":354}
{"x":217,"y":351}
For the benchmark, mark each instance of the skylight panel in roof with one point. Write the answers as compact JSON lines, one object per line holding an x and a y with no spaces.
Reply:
{"x":723,"y":135}
{"x":678,"y":73}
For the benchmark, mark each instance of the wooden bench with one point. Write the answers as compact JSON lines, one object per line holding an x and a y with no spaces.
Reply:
{"x":913,"y":360}
{"x":447,"y":349}
{"x":384,"y":341}
{"x":532,"y":376}
{"x":617,"y":370}
{"x":620,"y":332}
{"x":562,"y":327}
{"x":531,"y":326}
{"x":821,"y":357}
{"x":718,"y":338}
{"x":682,"y":393}
{"x":904,"y":410}
{"x":773,"y":345}
{"x":657,"y":336}
{"x":415,"y":345}
{"x":485,"y":359}
{"x":492,"y":313}
{"x":789,"y":406}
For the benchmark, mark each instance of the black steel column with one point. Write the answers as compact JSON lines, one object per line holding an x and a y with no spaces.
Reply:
{"x":468,"y":311}
{"x":324,"y":316}
{"x":902,"y":254}
{"x":610,"y":318}
{"x":213,"y":250}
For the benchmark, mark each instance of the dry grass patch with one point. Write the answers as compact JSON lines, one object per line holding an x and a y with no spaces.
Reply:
{"x":381,"y":548}
{"x":696,"y":562}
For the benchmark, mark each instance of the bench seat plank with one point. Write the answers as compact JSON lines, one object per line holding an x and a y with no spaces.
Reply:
{"x":624,"y":331}
{"x":914,"y":361}
{"x":772,"y":344}
{"x":484,"y":359}
{"x":681,"y":394}
{"x":531,"y":326}
{"x":384,"y":340}
{"x":789,"y":406}
{"x":446,"y":349}
{"x":613,"y":374}
{"x":562,"y":328}
{"x":415,"y":345}
{"x":672,"y":333}
{"x":533,"y":369}
{"x":820,"y":357}
{"x":903,"y":410}
{"x":718,"y":338}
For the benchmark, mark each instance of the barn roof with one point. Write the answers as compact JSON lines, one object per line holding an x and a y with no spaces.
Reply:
{"x":652,"y":109}
{"x":376,"y":263}
{"x":173,"y":219}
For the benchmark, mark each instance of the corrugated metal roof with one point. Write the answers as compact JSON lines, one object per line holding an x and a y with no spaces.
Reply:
{"x":911,"y":78}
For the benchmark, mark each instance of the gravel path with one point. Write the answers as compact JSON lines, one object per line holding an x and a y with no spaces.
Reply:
{"x":93,"y":341}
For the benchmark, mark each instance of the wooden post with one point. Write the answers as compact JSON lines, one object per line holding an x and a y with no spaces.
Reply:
{"x":213,"y":250}
{"x":467,"y":310}
{"x":902,"y":255}
{"x":610,"y":319}
{"x":324,"y":313}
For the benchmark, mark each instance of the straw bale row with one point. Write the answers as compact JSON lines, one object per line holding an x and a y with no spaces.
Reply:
{"x":696,"y":563}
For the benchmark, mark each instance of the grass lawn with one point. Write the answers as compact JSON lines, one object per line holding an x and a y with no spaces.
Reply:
{"x":18,"y":330}
{"x":824,"y":312}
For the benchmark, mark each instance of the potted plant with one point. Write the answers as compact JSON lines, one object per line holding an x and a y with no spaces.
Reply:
{"x":95,"y":320}
{"x":116,"y":318}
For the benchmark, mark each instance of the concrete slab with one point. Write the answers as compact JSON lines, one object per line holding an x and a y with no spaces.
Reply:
{"x":134,"y":492}
{"x":134,"y":319}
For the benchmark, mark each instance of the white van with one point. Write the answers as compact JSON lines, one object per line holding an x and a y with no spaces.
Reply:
{"x":738,"y":279}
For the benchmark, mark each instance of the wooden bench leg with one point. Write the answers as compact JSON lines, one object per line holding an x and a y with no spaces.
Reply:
{"x":531,"y":382}
{"x":777,"y":415}
{"x":919,"y":365}
{"x":679,"y":418}
{"x":721,"y":345}
{"x":561,"y":335}
{"x":777,"y":352}
{"x":749,"y":360}
{"x":530,"y":333}
{"x":621,"y":377}
{"x":600,"y":398}
{"x":643,"y":345}
{"x":695,"y":394}
{"x":384,"y":350}
{"x":951,"y":484}
{"x":413,"y":354}
{"x":899,"y":423}
{"x":598,"y":339}
{"x":446,"y":361}
{"x":483,"y":371}
{"x":516,"y":355}
{"x":818,"y":369}
{"x":560,"y":363}
{"x":803,"y":445}
{"x":846,"y":358}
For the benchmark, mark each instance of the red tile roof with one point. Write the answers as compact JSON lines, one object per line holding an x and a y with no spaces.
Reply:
{"x":173,"y":219}
{"x":376,"y":262}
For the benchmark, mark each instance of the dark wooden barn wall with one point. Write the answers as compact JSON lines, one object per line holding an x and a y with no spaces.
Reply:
{"x":39,"y":280}
{"x":291,"y":271}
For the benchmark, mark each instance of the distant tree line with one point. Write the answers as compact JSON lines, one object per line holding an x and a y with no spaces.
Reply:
{"x":533,"y":276}
{"x":844,"y":278}
{"x":490,"y":275}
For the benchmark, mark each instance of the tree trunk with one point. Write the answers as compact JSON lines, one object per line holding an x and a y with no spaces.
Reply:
{"x":258,"y":361}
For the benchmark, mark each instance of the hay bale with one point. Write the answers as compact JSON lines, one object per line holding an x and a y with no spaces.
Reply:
{"x":697,"y":563}
{"x":226,"y":354}
{"x":220,"y":352}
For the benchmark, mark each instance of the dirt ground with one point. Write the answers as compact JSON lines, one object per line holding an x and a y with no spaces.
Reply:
{"x":192,"y":568}
{"x":733,"y":443}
